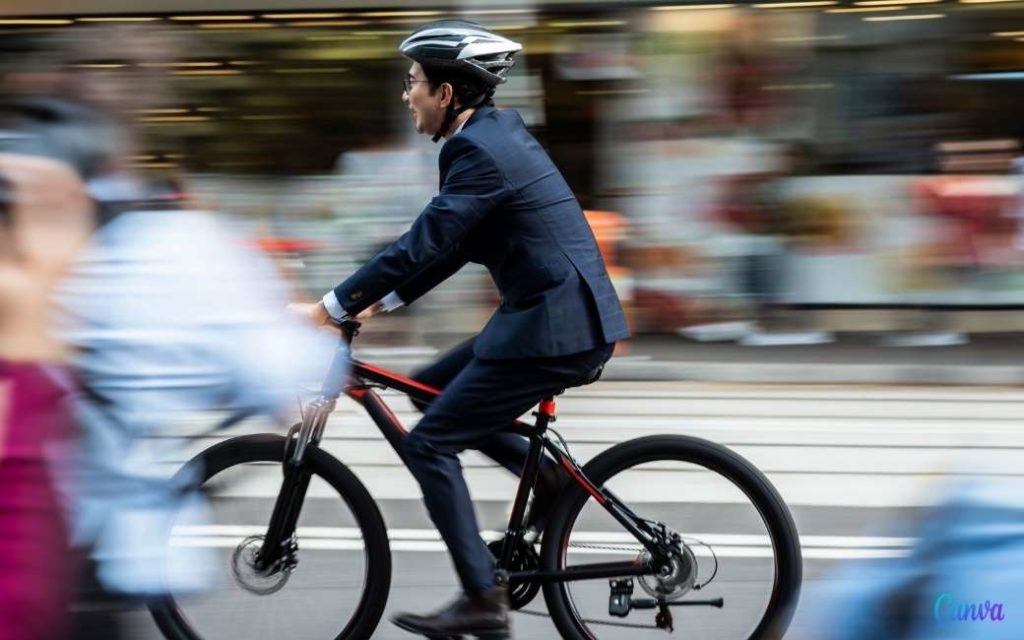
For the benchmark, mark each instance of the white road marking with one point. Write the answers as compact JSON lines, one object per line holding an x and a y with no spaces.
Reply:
{"x":428,"y":541}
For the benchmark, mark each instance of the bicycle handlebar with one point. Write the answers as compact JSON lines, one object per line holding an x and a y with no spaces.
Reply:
{"x":348,"y":327}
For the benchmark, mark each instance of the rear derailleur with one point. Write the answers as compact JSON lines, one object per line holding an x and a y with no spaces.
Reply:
{"x":621,"y":602}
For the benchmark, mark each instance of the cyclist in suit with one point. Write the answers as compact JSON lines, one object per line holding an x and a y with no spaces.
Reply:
{"x":502,"y":203}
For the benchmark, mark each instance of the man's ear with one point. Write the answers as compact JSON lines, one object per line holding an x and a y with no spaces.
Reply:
{"x":447,"y":94}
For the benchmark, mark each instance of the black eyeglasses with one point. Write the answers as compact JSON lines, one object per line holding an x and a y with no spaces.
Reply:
{"x":408,"y":81}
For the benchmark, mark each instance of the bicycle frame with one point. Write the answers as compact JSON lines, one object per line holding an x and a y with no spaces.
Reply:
{"x":362,"y":380}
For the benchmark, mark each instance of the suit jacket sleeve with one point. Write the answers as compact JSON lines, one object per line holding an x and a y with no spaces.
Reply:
{"x":472,"y":187}
{"x":424,"y":281}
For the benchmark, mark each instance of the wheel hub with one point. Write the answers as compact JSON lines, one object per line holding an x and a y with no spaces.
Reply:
{"x":248,"y":574}
{"x":675,"y":579}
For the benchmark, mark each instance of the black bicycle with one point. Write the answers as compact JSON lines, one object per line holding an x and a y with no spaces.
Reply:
{"x":657,"y":534}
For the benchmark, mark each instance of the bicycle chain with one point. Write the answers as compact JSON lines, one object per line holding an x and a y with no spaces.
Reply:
{"x":607,"y":547}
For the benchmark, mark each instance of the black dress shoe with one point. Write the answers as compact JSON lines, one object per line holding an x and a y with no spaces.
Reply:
{"x":484,"y":615}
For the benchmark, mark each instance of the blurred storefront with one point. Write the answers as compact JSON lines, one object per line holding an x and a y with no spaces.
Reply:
{"x":763,"y":154}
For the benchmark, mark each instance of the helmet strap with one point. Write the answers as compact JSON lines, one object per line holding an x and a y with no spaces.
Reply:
{"x":451,"y":113}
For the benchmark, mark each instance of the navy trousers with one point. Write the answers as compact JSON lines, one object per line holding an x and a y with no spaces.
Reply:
{"x":481,"y":398}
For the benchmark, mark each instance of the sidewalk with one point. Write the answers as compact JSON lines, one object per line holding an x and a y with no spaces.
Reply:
{"x":989,"y":359}
{"x":992,"y":359}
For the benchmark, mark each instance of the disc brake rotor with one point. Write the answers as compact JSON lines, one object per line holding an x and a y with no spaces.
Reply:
{"x":676,"y":580}
{"x":250,"y":577}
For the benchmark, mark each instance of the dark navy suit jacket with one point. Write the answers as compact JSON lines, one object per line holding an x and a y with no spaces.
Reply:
{"x":503,"y":204}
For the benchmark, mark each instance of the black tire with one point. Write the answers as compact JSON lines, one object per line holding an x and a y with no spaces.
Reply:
{"x":776,"y":517}
{"x":271,"y":449}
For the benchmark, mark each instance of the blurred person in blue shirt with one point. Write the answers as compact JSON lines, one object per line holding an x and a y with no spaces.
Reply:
{"x":169,"y":313}
{"x":962,"y":579}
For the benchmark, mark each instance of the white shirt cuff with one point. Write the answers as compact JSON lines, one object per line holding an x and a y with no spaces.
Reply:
{"x":390,"y":302}
{"x":334,"y":307}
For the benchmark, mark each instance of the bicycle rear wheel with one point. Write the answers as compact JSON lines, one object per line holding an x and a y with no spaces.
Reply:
{"x":340,"y":585}
{"x":739,"y":543}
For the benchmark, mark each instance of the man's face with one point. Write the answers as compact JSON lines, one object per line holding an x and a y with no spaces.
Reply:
{"x":428,"y":108}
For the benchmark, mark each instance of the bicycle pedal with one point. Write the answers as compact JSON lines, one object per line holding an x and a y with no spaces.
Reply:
{"x":444,"y":637}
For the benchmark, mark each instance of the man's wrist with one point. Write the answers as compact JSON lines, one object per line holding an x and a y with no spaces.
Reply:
{"x":391,"y":302}
{"x":332,"y":308}
{"x":320,"y":314}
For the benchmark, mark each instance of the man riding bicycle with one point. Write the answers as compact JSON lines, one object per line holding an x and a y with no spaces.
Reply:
{"x":503,"y":204}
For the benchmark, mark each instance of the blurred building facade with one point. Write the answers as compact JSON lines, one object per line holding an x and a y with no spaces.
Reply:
{"x":854,"y":158}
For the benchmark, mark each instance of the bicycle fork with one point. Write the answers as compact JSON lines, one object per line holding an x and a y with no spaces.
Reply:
{"x":278,"y":551}
{"x":279,"y":546}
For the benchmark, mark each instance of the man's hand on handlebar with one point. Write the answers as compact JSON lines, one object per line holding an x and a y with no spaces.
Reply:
{"x":316,"y":312}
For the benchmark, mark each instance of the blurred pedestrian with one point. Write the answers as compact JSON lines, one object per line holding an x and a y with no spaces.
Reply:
{"x":168,"y":312}
{"x":45,"y":217}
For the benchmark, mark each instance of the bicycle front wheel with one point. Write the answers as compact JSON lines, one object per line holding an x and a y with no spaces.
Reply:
{"x":737,"y":543}
{"x":337,"y":589}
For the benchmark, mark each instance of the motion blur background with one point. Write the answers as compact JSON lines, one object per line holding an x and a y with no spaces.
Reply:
{"x":743,"y":161}
{"x":785,"y":192}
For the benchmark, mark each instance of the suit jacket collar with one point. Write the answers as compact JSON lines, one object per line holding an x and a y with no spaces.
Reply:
{"x":478,"y":113}
{"x":444,"y":159}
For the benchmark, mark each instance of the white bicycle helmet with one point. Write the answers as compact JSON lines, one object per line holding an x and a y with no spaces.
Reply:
{"x":464,"y":46}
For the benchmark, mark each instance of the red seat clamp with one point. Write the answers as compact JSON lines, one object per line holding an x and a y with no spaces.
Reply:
{"x":547,"y":407}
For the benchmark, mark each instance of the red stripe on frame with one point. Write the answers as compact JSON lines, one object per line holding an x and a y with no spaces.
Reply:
{"x":582,"y":481}
{"x":400,"y":378}
{"x":359,"y":395}
{"x":394,"y":418}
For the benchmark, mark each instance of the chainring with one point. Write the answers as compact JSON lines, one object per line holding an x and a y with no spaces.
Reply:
{"x":524,"y":558}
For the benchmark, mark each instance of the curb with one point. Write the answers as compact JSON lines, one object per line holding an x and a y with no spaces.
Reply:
{"x":803,"y":373}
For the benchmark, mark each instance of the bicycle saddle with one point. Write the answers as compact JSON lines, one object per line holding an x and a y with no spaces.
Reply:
{"x":590,"y":378}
